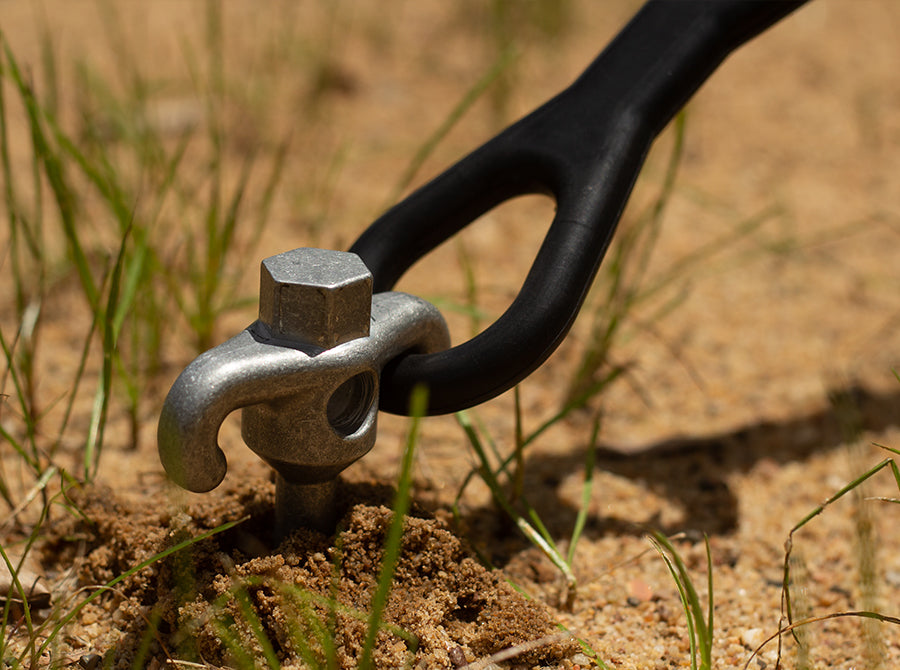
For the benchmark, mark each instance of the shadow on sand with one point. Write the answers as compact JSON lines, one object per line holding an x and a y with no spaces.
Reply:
{"x":692,"y":472}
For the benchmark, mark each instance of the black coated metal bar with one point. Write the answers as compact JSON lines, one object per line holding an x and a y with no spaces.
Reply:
{"x":585,"y":148}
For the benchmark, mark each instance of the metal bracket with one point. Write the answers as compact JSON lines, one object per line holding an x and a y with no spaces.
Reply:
{"x":306,"y":375}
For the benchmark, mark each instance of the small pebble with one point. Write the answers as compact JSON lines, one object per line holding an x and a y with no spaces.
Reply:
{"x":752,"y":638}
{"x":119,"y":617}
{"x":75,"y":642}
{"x":640,"y":590}
{"x":457,"y":657}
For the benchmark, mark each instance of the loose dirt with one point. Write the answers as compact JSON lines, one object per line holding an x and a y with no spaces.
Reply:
{"x":441,"y":595}
{"x":758,"y":382}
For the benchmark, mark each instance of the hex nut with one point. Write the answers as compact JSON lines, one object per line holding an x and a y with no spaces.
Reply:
{"x":316,"y":297}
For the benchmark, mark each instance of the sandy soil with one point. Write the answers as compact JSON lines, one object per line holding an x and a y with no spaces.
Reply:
{"x":754,"y":400}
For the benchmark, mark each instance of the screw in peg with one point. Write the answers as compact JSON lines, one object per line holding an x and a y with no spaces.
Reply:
{"x":314,"y":299}
{"x":306,"y":376}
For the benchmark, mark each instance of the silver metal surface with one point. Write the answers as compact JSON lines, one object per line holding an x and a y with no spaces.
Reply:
{"x":306,"y":375}
{"x":317,"y":297}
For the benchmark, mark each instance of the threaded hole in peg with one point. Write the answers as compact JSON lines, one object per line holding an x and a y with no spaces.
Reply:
{"x":349,"y":405}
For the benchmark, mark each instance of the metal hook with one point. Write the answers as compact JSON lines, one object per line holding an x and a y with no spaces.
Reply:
{"x":306,"y":375}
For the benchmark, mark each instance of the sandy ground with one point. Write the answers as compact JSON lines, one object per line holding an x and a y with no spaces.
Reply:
{"x":754,"y":400}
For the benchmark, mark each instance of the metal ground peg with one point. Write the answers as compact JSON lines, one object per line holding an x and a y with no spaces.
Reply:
{"x":306,"y":376}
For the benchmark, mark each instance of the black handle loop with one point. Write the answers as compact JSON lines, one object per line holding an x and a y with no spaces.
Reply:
{"x":584,"y":148}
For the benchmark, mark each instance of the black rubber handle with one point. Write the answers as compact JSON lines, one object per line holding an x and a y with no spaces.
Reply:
{"x":585,"y":148}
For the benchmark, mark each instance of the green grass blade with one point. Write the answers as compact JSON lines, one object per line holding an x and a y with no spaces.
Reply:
{"x":225,"y":630}
{"x":518,"y":479}
{"x":868,"y":474}
{"x":890,"y":449}
{"x":471,"y":286}
{"x":33,"y":633}
{"x":48,"y":67}
{"x":625,"y":271}
{"x":577,"y":403}
{"x":697,"y":258}
{"x":54,"y":170}
{"x":683,"y":596}
{"x":9,"y":190}
{"x":94,"y":442}
{"x":21,"y":397}
{"x":79,"y":375}
{"x":134,"y":275}
{"x":537,"y":536}
{"x":419,"y":403}
{"x":701,"y":623}
{"x":103,"y":175}
{"x":459,"y":110}
{"x":787,"y":606}
{"x":586,"y":490}
{"x":39,"y":488}
{"x":256,"y":628}
{"x":861,"y":614}
{"x":317,"y":630}
{"x":20,"y":590}
{"x":539,"y":524}
{"x":147,"y":639}
{"x":308,"y":626}
{"x":710,"y":605}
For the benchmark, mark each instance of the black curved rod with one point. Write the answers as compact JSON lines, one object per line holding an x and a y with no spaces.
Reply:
{"x":584,"y":148}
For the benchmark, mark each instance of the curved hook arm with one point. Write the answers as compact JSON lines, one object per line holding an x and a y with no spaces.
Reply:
{"x":585,"y":148}
{"x":235,"y":374}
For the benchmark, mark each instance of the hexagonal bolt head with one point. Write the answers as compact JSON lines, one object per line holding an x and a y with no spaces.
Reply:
{"x":316,"y":297}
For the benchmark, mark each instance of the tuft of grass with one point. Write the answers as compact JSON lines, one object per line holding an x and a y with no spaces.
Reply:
{"x":865,"y":541}
{"x":192,"y":177}
{"x":493,"y":469}
{"x":795,"y":609}
{"x":789,"y":607}
{"x":42,"y":636}
{"x":104,"y":295}
{"x":308,"y":634}
{"x":140,"y":186}
{"x":101,"y":219}
{"x":699,"y":623}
